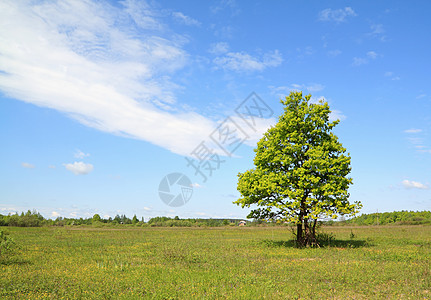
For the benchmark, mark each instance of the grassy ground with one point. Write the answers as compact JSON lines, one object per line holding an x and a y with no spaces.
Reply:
{"x":233,"y":263}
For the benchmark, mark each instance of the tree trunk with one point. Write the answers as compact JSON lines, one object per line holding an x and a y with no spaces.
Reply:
{"x":306,"y":233}
{"x":299,"y":231}
{"x":314,"y":228}
{"x":299,"y":234}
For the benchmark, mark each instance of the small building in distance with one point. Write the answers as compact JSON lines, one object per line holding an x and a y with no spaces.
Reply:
{"x":242,"y":223}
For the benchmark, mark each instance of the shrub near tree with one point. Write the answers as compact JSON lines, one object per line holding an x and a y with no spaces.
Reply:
{"x":7,"y":244}
{"x":301,"y":170}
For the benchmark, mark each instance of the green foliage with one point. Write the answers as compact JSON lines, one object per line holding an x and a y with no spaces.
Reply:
{"x":301,"y":169}
{"x":35,"y":219}
{"x":28,"y":219}
{"x":395,"y":217}
{"x":96,"y":218}
{"x":7,"y":244}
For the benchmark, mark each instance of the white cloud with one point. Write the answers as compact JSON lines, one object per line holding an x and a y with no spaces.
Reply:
{"x":55,"y":214}
{"x":372,"y":54}
{"x":314,"y":87}
{"x":219,"y":48}
{"x":79,"y":168}
{"x":229,"y":5}
{"x":52,"y":166}
{"x":409,"y":184}
{"x":413,"y":130}
{"x":244,"y":62}
{"x":358,"y":61}
{"x":336,"y":15}
{"x":282,"y":91}
{"x":415,"y":140}
{"x":96,"y":64}
{"x":141,"y":13}
{"x":336,"y":115}
{"x":392,"y":76}
{"x":334,"y":53}
{"x":378,"y":31}
{"x":179,"y":16}
{"x":421,"y":96}
{"x":260,"y":126}
{"x":304,"y":51}
{"x":27,"y":165}
{"x":79,"y":154}
{"x":196,"y":185}
{"x":146,"y":208}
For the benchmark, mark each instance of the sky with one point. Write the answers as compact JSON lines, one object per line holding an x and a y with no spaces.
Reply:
{"x":153,"y":107}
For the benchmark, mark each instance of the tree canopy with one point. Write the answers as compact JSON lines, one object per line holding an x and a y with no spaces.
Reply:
{"x":301,"y":170}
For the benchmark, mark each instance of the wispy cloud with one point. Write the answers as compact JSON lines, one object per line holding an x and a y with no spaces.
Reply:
{"x":244,"y":62}
{"x":79,"y":168}
{"x":180,"y":17}
{"x":391,"y":75}
{"x":219,"y":48}
{"x":410,"y":184}
{"x":229,"y":5}
{"x":370,"y":55}
{"x":109,"y":68}
{"x":282,"y":91}
{"x":413,"y":130}
{"x":79,"y":154}
{"x":416,"y":138}
{"x":27,"y":165}
{"x":334,"y":53}
{"x":421,"y":96}
{"x":336,"y":15}
{"x":303,"y":52}
{"x":54,"y":214}
{"x":336,"y":115}
{"x":196,"y":185}
{"x":377,"y":31}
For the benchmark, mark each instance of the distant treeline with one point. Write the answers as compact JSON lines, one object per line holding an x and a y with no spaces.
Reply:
{"x":35,"y":219}
{"x":397,"y":217}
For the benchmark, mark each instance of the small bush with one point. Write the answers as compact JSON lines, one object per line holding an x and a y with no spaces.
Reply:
{"x":7,"y":244}
{"x":325,"y":239}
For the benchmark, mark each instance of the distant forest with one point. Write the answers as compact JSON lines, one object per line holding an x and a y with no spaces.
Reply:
{"x":396,"y":217}
{"x":35,"y":219}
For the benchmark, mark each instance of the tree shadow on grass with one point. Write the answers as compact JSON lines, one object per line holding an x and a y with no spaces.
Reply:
{"x":7,"y":261}
{"x":323,"y":244}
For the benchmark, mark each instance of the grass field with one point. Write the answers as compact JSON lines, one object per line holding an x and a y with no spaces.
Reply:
{"x":212,"y":263}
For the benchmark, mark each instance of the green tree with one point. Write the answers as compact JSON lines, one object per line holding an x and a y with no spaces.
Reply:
{"x":96,"y":218}
{"x":300,"y":172}
{"x":135,"y":220}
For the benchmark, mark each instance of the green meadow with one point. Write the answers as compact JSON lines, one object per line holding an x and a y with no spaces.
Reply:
{"x":73,"y":262}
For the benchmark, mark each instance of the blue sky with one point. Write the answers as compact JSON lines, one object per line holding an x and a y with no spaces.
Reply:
{"x":100,"y":100}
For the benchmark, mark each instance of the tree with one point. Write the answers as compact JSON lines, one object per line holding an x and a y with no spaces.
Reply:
{"x":135,"y":220}
{"x":300,"y":172}
{"x":96,"y":218}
